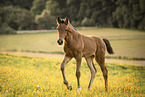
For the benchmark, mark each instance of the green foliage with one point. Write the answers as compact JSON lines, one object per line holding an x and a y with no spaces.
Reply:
{"x":15,"y":18}
{"x":45,"y":20}
{"x":129,"y":14}
{"x":142,"y":24}
{"x":18,"y":14}
{"x":25,"y":20}
{"x":85,"y":21}
{"x":9,"y":16}
{"x":38,"y":6}
{"x":5,"y":29}
{"x":26,"y":4}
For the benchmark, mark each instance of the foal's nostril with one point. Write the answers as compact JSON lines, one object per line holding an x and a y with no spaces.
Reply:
{"x":60,"y":42}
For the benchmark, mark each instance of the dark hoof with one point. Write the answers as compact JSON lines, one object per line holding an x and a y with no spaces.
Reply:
{"x":106,"y":89}
{"x":69,"y":88}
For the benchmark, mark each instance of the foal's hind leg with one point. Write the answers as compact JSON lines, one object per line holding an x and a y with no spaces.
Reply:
{"x":92,"y":70}
{"x":101,"y":61}
{"x":65,"y":61}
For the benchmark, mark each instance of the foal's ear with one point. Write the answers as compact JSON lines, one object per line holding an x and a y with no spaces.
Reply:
{"x":66,"y":21}
{"x":58,"y":20}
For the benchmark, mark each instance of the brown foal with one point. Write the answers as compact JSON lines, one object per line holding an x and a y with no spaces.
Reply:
{"x":77,"y":45}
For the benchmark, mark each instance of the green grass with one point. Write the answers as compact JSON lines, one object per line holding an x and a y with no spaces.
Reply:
{"x":128,"y":43}
{"x":41,"y":77}
{"x":30,"y":42}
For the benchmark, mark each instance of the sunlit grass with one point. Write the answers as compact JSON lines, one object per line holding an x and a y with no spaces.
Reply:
{"x":37,"y":76}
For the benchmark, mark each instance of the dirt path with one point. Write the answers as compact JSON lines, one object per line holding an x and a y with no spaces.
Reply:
{"x":131,"y":62}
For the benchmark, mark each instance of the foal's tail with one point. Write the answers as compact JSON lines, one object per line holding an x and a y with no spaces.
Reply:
{"x":108,"y":45}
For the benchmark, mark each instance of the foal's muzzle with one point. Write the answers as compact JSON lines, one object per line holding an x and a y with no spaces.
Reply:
{"x":60,"y":42}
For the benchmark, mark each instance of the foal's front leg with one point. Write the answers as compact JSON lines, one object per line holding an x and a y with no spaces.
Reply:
{"x":78,"y":73}
{"x":65,"y":61}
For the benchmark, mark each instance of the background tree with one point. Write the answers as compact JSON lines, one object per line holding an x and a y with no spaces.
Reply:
{"x":45,"y":20}
{"x":38,"y":6}
{"x":26,"y":4}
{"x":25,"y":20}
{"x":42,"y":14}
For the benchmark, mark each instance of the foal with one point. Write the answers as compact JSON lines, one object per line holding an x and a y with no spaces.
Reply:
{"x":77,"y":45}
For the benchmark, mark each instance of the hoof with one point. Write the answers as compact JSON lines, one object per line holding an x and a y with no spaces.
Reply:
{"x":78,"y":90}
{"x":106,"y":89}
{"x":69,"y":88}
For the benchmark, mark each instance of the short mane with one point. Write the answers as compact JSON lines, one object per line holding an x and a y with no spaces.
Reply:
{"x":71,"y":28}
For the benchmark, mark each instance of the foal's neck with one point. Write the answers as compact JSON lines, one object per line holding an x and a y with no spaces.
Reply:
{"x":72,"y":34}
{"x":71,"y":29}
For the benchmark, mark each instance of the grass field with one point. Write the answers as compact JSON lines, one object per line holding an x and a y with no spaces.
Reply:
{"x":129,"y":43}
{"x":41,"y":77}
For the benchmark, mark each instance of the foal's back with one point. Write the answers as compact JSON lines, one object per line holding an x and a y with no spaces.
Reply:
{"x":92,"y":44}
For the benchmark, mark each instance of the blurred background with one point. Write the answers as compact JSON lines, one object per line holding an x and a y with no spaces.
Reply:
{"x":120,"y":21}
{"x":41,"y":14}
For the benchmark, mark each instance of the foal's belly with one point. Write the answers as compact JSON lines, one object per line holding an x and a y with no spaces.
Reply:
{"x":89,"y":52}
{"x":89,"y":46}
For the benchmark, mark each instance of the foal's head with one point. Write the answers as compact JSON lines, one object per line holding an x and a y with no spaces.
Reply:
{"x":61,"y":29}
